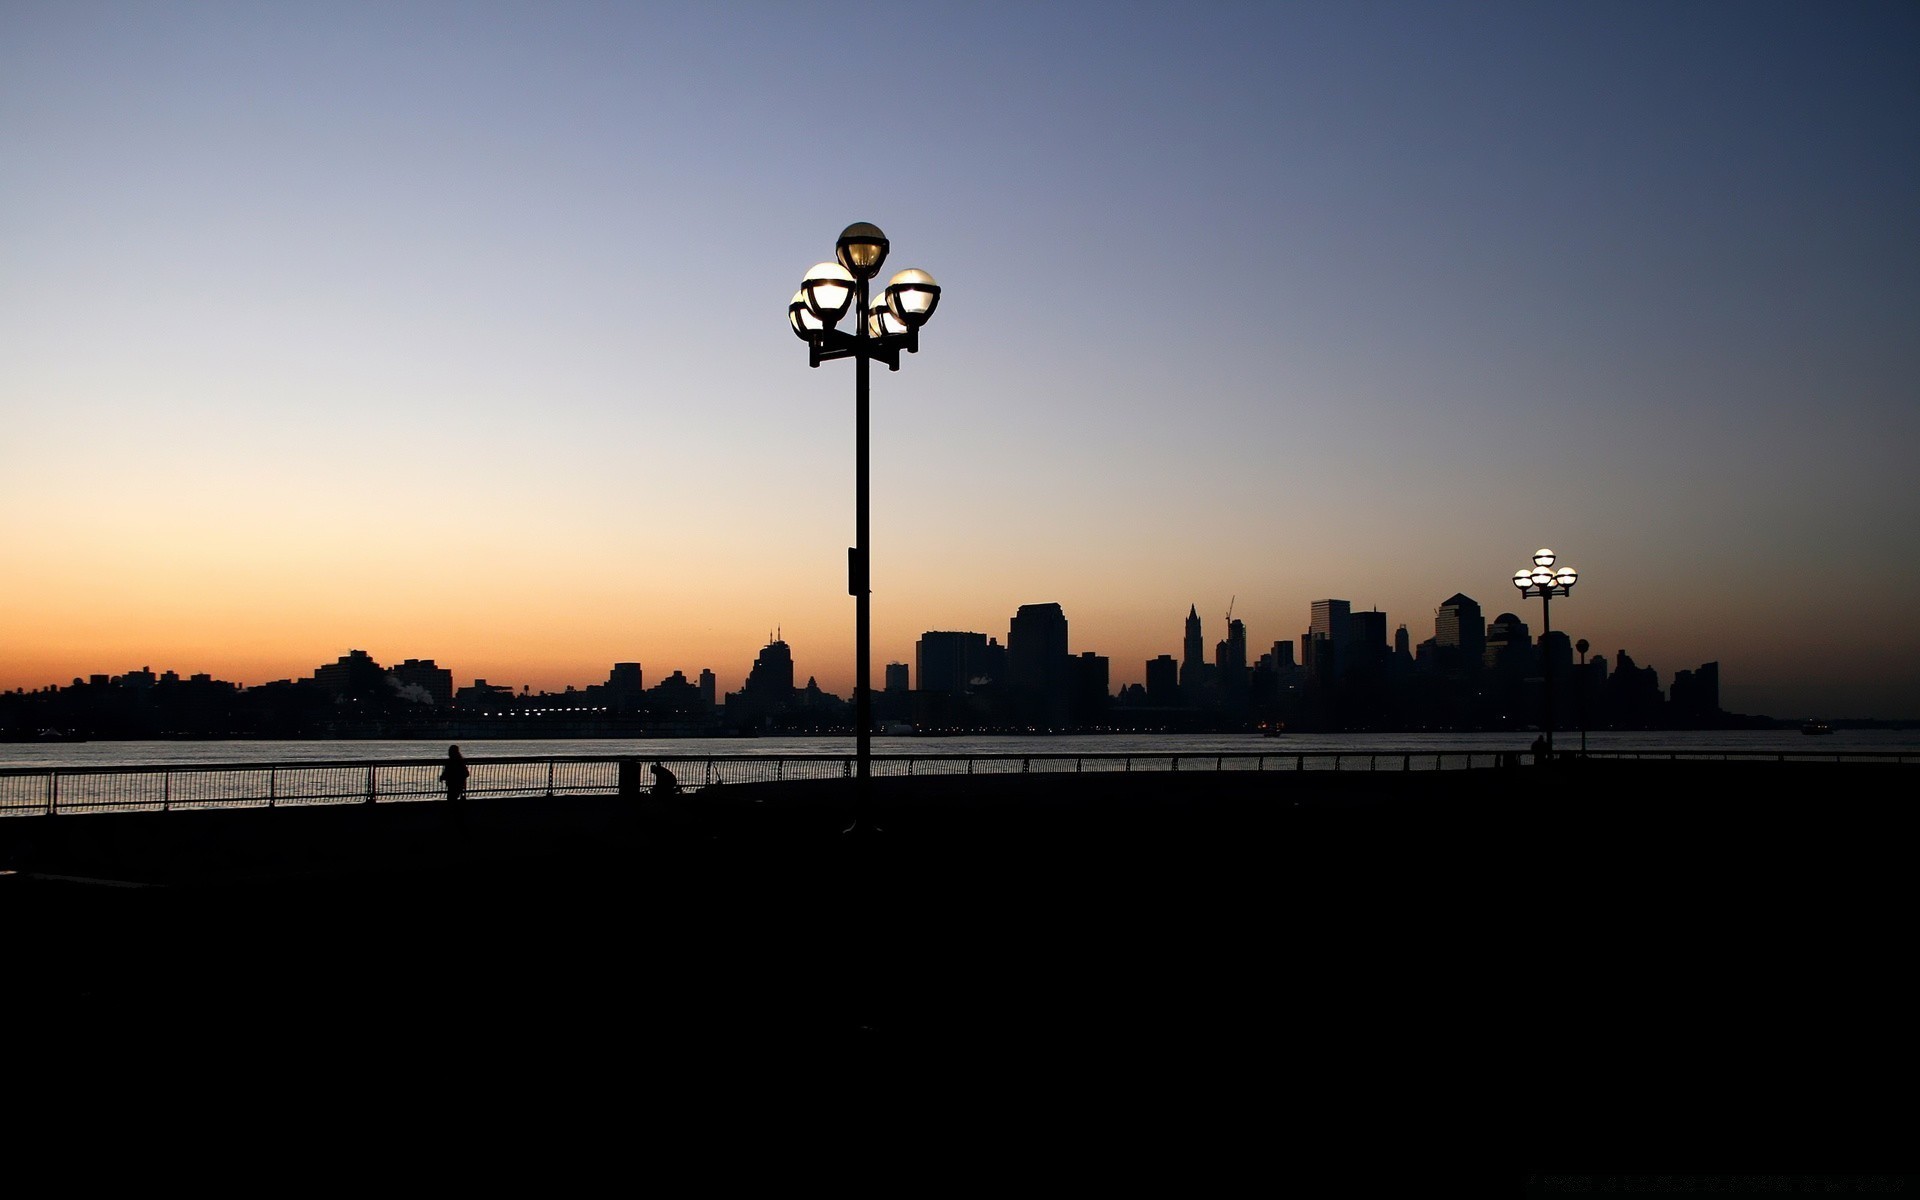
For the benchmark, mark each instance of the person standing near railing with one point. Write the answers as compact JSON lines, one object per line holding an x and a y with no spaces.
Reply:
{"x":454,"y":774}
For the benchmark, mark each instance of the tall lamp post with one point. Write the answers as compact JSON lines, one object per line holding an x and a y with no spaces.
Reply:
{"x":1545,"y":582}
{"x":882,"y":329}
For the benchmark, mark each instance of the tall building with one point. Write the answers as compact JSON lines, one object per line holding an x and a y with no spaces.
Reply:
{"x":1402,"y":646}
{"x":1325,"y":648}
{"x":1193,"y":652}
{"x":772,"y":673}
{"x":1457,"y":622}
{"x":624,"y":688}
{"x":1367,"y":633}
{"x":951,"y":662}
{"x":957,"y":674}
{"x":1163,"y":681}
{"x":1037,"y":664}
{"x":1509,"y":645}
{"x":1233,"y":651}
{"x":1089,"y":683}
{"x":1332,"y":621}
{"x":1230,"y":667}
{"x":768,"y":691}
{"x":894,"y":703}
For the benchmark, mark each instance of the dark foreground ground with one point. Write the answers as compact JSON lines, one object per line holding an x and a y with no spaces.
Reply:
{"x":1549,"y":966}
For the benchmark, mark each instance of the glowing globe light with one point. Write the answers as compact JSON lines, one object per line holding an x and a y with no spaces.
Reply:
{"x":912,"y":295}
{"x":861,"y":249}
{"x":829,"y":291}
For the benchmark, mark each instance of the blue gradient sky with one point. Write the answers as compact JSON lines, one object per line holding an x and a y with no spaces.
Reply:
{"x":458,"y":330}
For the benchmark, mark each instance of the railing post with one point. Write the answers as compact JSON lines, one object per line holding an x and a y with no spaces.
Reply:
{"x":166,"y":791}
{"x":371,"y":785}
{"x":273,"y":786}
{"x":549,"y":779}
{"x":53,"y":792}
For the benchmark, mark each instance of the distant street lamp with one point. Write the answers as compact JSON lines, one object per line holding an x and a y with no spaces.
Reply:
{"x":881,"y":330}
{"x":1545,"y":582}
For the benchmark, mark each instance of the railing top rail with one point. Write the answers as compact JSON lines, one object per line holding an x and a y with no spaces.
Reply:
{"x":1905,"y":757}
{"x":321,"y":764}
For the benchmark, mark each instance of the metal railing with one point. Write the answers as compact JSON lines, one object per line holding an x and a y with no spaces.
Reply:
{"x":51,"y":790}
{"x":1896,"y":757}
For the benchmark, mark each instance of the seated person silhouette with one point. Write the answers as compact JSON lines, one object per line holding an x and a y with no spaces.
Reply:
{"x":664,"y":784}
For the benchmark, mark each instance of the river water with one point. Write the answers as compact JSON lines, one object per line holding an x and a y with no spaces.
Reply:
{"x":180,"y":753}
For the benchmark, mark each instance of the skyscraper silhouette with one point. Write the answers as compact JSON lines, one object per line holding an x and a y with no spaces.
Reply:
{"x":1457,"y":623}
{"x":1329,"y":633}
{"x":1037,"y":664}
{"x":1163,"y":681}
{"x":1193,"y":654}
{"x":951,"y":662}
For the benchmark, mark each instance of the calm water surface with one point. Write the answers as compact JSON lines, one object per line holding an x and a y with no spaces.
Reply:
{"x":177,"y":753}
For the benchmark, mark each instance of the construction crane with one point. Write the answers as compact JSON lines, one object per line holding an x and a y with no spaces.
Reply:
{"x":1230,"y":604}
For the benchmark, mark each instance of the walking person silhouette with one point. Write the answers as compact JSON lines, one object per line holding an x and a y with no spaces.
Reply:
{"x":454,"y":774}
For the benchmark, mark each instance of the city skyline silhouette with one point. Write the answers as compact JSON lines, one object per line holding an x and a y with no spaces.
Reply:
{"x":1350,"y":669}
{"x":466,"y":338}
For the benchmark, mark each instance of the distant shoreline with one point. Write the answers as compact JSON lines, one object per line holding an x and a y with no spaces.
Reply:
{"x":547,"y":732}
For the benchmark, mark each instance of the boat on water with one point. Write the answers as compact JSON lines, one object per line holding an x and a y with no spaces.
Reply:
{"x":1816,"y":727}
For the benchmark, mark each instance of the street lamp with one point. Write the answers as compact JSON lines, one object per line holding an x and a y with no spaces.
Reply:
{"x":882,"y":328}
{"x":1543,"y":581}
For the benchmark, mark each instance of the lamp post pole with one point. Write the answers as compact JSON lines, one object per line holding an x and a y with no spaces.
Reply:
{"x":1543,"y":581}
{"x":882,"y":329}
{"x":858,"y":580}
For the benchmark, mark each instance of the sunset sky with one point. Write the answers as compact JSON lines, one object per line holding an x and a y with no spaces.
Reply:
{"x":459,"y":331}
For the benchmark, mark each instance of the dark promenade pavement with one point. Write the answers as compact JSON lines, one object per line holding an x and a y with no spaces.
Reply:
{"x":1385,"y":968}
